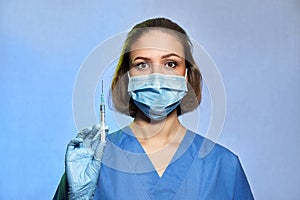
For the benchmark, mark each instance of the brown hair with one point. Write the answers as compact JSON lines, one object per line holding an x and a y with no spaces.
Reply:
{"x":120,"y":98}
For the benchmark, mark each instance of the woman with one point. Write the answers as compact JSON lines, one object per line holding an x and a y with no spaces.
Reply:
{"x":155,"y":157}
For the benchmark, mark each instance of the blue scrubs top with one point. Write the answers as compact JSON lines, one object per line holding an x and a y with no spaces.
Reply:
{"x":127,"y":172}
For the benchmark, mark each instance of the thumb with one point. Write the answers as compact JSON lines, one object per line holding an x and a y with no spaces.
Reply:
{"x":74,"y":143}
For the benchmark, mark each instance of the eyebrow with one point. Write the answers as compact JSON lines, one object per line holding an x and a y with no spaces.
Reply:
{"x":142,"y":58}
{"x":164,"y":56}
{"x":169,"y":55}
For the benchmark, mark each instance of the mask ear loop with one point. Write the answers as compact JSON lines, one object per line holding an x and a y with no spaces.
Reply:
{"x":128,"y":75}
{"x":186,"y":74}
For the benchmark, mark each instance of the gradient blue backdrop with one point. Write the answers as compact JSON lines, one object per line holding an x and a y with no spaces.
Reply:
{"x":255,"y":44}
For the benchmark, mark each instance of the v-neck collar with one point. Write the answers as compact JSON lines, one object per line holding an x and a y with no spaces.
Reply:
{"x":167,"y":185}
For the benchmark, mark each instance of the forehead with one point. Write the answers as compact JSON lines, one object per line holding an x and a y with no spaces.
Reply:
{"x":156,"y":40}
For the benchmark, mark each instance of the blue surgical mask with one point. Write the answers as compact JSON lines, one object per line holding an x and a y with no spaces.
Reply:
{"x":156,"y":95}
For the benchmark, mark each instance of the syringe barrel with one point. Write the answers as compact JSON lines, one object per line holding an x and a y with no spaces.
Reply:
{"x":102,"y":122}
{"x":102,"y":113}
{"x":102,"y":132}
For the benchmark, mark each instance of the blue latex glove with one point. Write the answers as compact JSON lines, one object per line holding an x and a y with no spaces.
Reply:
{"x":83,"y":162}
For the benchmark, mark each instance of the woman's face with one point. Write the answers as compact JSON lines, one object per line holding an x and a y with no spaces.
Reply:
{"x":157,"y":52}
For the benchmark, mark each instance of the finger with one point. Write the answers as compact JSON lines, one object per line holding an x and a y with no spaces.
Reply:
{"x":96,"y":132}
{"x":91,"y":141}
{"x":97,"y":136}
{"x":99,"y":151}
{"x":89,"y":133}
{"x":83,"y":133}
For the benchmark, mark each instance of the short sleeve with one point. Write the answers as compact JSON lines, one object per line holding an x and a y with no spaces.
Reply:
{"x":62,"y":189}
{"x":242,"y":190}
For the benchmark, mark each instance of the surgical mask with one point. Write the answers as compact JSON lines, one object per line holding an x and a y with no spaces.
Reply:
{"x":156,"y":95}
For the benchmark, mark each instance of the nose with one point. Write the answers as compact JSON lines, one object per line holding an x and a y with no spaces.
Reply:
{"x":156,"y":68}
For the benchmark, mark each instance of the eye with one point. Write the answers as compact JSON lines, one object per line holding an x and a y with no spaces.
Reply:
{"x":171,"y":64}
{"x":142,"y":65}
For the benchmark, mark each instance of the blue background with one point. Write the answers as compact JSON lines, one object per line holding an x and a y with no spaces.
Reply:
{"x":255,"y":44}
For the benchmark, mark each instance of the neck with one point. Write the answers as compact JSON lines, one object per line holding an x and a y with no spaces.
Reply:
{"x":158,"y":133}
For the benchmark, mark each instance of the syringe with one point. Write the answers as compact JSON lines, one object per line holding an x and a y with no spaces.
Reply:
{"x":103,"y":127}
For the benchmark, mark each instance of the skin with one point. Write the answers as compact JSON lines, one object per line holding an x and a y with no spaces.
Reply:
{"x":158,"y":52}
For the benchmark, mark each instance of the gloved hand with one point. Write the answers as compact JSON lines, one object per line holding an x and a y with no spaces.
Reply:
{"x":83,"y":162}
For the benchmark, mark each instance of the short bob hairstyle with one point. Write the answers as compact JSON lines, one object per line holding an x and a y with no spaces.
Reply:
{"x":119,"y":93}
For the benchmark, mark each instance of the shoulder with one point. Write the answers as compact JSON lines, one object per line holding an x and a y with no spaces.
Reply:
{"x":222,"y":165}
{"x":209,"y":150}
{"x":215,"y":157}
{"x":116,"y":136}
{"x":121,"y":137}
